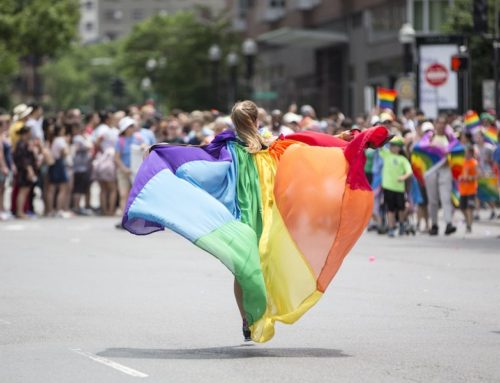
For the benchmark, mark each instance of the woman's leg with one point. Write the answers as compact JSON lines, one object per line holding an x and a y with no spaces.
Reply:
{"x":238,"y":294}
{"x":103,"y":199}
{"x":62,"y":196}
{"x":21,"y":200}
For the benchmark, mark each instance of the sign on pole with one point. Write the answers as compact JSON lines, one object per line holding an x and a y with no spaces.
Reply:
{"x":437,"y":83}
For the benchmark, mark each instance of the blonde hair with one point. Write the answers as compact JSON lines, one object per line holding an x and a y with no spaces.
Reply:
{"x":244,"y":116}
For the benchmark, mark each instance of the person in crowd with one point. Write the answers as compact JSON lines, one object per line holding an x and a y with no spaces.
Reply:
{"x":173,"y":132}
{"x":59,"y":187}
{"x":486,"y":168}
{"x":25,"y":161}
{"x":129,"y":137}
{"x":82,"y":159}
{"x":21,"y":114}
{"x":396,"y":171}
{"x":35,"y":122}
{"x":467,"y":187}
{"x":104,"y":167}
{"x":408,"y":118}
{"x":438,"y":182}
{"x":5,"y":162}
{"x":91,"y":123}
{"x":147,"y":131}
{"x":277,"y":128}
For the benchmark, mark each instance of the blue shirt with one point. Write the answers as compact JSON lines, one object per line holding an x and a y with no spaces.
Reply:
{"x":148,"y":137}
{"x":123,"y":146}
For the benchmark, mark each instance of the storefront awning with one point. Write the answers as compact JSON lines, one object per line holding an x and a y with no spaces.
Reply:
{"x":305,"y":38}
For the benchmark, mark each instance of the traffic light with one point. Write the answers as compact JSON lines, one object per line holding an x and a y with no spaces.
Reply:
{"x":459,"y":62}
{"x":117,"y":87}
{"x":480,"y":15}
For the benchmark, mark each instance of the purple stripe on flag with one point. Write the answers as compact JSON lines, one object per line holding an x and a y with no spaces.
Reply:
{"x":172,"y":157}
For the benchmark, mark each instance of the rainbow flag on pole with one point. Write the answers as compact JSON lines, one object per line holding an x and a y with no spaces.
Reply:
{"x":386,"y":98}
{"x":491,"y":135}
{"x":456,"y":159}
{"x":423,"y":158}
{"x":471,"y":120}
{"x":487,"y":189}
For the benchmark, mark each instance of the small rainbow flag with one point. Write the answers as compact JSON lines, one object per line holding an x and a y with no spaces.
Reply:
{"x":491,"y":134}
{"x":471,"y":120}
{"x":456,"y":159}
{"x":487,"y":189}
{"x":386,"y":98}
{"x":423,"y":158}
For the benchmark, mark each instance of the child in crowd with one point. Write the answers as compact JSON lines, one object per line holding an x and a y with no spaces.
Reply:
{"x":467,"y":186}
{"x":396,"y":171}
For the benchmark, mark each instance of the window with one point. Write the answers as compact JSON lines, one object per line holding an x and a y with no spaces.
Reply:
{"x":113,"y":15}
{"x":137,"y":14}
{"x":88,"y":5}
{"x":89,"y":26}
{"x":428,"y":15}
{"x":277,"y":3}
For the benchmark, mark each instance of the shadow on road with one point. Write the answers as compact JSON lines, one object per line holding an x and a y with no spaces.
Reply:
{"x":235,"y":352}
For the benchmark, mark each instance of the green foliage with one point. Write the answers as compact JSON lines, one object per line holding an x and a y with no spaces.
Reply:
{"x":82,"y":77}
{"x":183,"y":41}
{"x":35,"y":29}
{"x":38,"y":27}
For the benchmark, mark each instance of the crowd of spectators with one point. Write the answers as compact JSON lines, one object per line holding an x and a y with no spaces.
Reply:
{"x":59,"y":158}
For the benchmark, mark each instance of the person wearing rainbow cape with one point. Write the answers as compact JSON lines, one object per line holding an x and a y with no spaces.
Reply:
{"x":281,"y":218}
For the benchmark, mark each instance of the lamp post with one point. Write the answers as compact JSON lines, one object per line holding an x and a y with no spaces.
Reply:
{"x":232,"y":62}
{"x":250,"y":49}
{"x":407,"y":39}
{"x":214,"y":55}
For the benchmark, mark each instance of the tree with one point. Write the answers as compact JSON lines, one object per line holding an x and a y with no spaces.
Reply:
{"x":460,"y":21}
{"x":83,"y":77}
{"x":37,"y":29}
{"x":181,"y":41}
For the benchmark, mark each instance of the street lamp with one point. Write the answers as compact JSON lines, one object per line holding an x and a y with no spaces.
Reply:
{"x":151,"y":64}
{"x":214,"y":55}
{"x":232,"y":62}
{"x":407,"y":38}
{"x":250,"y":49}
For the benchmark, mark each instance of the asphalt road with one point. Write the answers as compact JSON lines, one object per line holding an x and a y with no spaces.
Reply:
{"x":83,"y":302}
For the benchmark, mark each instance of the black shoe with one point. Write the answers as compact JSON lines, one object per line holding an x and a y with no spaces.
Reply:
{"x":450,"y":229}
{"x":434,"y":230}
{"x":246,"y":331}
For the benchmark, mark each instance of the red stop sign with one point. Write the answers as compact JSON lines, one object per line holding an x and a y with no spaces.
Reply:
{"x":436,"y":74}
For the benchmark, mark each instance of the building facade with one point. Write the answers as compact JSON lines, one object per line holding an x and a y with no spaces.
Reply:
{"x":109,"y":19}
{"x":331,"y":53}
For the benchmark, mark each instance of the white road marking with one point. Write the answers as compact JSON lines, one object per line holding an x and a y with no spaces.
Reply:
{"x":3,"y":321}
{"x":110,"y":363}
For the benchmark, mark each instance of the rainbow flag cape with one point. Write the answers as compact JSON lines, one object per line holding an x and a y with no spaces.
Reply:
{"x":471,"y":120}
{"x":281,"y":220}
{"x":487,"y":189}
{"x":491,"y":134}
{"x":386,"y":98}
